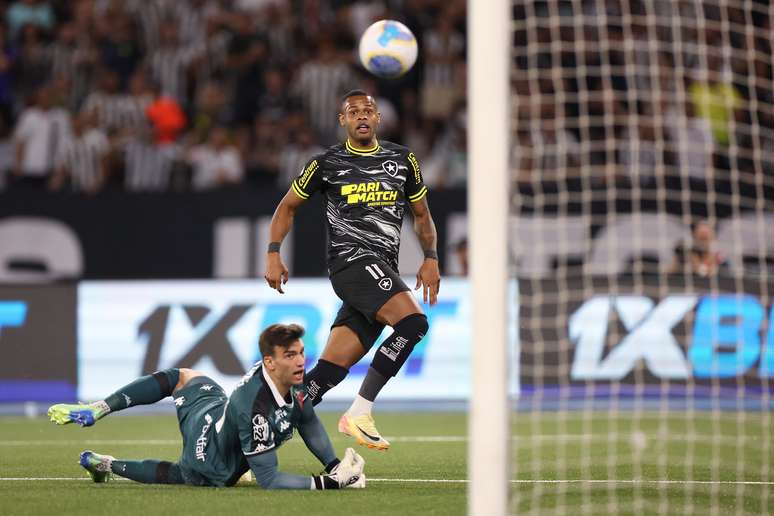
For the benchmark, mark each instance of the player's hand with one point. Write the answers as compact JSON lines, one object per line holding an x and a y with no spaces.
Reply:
{"x":349,"y":472}
{"x":276,"y":272}
{"x":429,"y":277}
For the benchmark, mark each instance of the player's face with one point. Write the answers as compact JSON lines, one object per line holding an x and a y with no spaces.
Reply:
{"x":287,"y":364}
{"x":360,"y":118}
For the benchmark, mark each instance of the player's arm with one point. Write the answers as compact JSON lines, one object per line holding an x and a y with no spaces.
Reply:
{"x":268,"y":476}
{"x":338,"y":474}
{"x":429,"y":277}
{"x":276,"y":271}
{"x":300,"y":190}
{"x":315,"y":437}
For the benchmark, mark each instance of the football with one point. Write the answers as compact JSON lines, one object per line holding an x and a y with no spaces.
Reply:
{"x":388,"y":49}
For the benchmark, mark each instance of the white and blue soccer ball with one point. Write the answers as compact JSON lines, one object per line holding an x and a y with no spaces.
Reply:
{"x":388,"y":49}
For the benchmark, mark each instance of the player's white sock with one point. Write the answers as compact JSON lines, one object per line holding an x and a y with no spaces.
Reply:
{"x":360,"y":406}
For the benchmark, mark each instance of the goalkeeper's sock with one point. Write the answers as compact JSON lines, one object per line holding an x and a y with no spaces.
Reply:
{"x":360,"y":407}
{"x":143,"y":391}
{"x":148,"y":471}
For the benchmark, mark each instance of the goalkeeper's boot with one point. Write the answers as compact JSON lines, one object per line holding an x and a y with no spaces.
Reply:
{"x":81,"y":413}
{"x":98,"y":466}
{"x":363,"y":429}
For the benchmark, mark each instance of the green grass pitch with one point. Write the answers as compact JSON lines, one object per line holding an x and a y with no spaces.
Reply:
{"x":562,"y":463}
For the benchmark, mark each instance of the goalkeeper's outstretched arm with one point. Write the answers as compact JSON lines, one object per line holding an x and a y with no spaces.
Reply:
{"x":316,"y":438}
{"x":267,"y":475}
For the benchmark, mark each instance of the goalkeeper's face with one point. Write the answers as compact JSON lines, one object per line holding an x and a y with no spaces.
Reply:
{"x":287,"y":364}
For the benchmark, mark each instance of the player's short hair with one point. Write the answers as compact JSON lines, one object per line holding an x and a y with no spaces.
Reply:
{"x":354,"y":93}
{"x":279,"y":335}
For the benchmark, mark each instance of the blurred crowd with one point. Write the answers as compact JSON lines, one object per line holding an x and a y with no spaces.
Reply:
{"x":160,"y":95}
{"x":645,"y":93}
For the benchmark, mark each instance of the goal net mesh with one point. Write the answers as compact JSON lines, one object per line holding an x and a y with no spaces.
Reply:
{"x":642,"y":237}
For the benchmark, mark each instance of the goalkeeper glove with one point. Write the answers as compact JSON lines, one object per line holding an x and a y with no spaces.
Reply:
{"x":340,"y":474}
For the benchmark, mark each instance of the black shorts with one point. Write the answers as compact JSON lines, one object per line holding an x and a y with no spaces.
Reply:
{"x":365,"y":286}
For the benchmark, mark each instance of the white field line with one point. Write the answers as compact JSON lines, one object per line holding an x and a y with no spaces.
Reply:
{"x":465,"y":481}
{"x":519,"y":441}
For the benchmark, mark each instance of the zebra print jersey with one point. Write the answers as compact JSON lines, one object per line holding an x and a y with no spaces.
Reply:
{"x":367,"y":193}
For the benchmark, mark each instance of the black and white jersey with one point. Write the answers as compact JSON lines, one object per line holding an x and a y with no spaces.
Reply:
{"x":367,"y":193}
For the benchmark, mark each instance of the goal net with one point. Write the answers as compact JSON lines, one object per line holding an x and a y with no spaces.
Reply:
{"x":642,"y":236}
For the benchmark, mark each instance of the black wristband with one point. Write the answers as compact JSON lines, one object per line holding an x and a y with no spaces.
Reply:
{"x":323,"y":482}
{"x":274,"y":247}
{"x":429,"y":253}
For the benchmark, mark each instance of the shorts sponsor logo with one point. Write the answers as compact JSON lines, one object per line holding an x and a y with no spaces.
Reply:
{"x":179,"y":401}
{"x":201,"y":442}
{"x":205,"y":388}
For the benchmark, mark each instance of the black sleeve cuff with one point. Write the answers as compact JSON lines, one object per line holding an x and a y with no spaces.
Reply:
{"x":332,"y":464}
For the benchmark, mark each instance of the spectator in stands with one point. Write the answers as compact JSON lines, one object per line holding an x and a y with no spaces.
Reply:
{"x":442,"y":47}
{"x":318,"y":85}
{"x":81,"y":161}
{"x":262,"y":150}
{"x":34,"y":140}
{"x":715,"y":99}
{"x":166,"y":116}
{"x":148,"y":166}
{"x":699,"y":255}
{"x":120,"y":50}
{"x":216,"y":163}
{"x":247,"y":54}
{"x":36,"y":13}
{"x":211,"y":109}
{"x":295,"y":155}
{"x":106,"y":103}
{"x":32,"y":66}
{"x":170,"y":63}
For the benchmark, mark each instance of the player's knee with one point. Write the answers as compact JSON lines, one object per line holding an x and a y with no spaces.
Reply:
{"x":186,"y":375}
{"x":413,"y":327}
{"x":168,"y":380}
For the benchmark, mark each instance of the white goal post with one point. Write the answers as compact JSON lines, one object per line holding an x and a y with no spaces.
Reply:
{"x":489,"y":458}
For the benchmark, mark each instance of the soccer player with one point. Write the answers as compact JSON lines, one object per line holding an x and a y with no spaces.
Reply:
{"x":224,"y":436}
{"x":367,"y":184}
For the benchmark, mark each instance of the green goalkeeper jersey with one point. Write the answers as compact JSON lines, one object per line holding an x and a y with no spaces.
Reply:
{"x":219,"y":433}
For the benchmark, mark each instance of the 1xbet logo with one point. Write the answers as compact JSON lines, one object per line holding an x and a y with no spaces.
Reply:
{"x":181,"y":335}
{"x":12,"y":314}
{"x":725,"y":341}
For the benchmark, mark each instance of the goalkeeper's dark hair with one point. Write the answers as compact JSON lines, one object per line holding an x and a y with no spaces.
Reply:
{"x":279,"y":335}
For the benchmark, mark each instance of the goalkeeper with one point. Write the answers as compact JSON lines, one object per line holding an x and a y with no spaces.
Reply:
{"x":224,"y":436}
